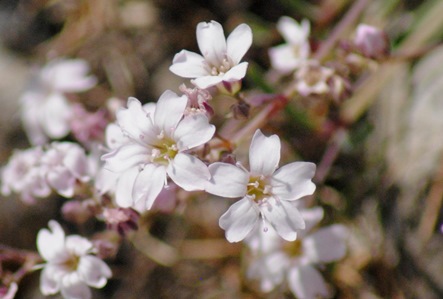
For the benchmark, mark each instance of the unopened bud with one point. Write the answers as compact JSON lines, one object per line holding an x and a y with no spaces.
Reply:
{"x":371,"y":41}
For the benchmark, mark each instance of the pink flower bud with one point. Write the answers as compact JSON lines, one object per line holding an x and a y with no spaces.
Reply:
{"x":371,"y":42}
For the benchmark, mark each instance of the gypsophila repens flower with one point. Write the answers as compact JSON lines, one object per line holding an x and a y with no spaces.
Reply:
{"x":266,"y":194}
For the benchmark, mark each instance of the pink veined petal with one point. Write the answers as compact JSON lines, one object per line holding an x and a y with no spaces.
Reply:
{"x":135,"y":122}
{"x":55,"y":115}
{"x":77,"y":245}
{"x":236,"y":73}
{"x":264,"y":154}
{"x":169,"y":111}
{"x":127,"y":156}
{"x":188,"y":172}
{"x":148,"y":185}
{"x":239,"y":42}
{"x":74,"y":288}
{"x":51,"y":243}
{"x":125,"y":185}
{"x":49,"y":285}
{"x":211,"y":42}
{"x":188,"y":64}
{"x":94,"y":271}
{"x":192,"y":131}
{"x":207,"y":81}
{"x":62,"y":181}
{"x":327,"y":244}
{"x":293,"y":181}
{"x":284,"y":217}
{"x":227,"y":180}
{"x":239,"y":220}
{"x":306,"y":282}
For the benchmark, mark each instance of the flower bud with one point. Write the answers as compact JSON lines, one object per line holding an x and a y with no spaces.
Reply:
{"x":371,"y":42}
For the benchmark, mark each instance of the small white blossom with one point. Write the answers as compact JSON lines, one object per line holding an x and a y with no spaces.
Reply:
{"x":290,"y":56}
{"x":46,"y":112}
{"x":157,"y":142}
{"x":267,"y":194}
{"x":221,"y":57}
{"x":276,"y":261}
{"x":70,"y":266}
{"x":312,"y":78}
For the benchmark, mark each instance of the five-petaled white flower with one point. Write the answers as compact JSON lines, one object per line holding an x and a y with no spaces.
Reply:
{"x":290,"y":56}
{"x":157,"y":144}
{"x":46,"y":111}
{"x":70,"y":267}
{"x":275,"y":261}
{"x":266,"y":193}
{"x":221,"y":57}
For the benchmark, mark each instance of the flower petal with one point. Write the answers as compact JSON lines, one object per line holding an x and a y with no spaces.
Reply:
{"x":293,"y":181}
{"x":77,"y":245}
{"x":62,"y":181}
{"x":207,"y":81}
{"x":227,"y":180}
{"x":327,"y":244}
{"x":192,"y":131}
{"x":211,"y":42}
{"x":236,"y":73}
{"x":125,"y":184}
{"x":94,"y":271}
{"x":306,"y":282}
{"x":125,"y":157}
{"x":114,"y":136}
{"x":148,"y":185}
{"x":169,"y":111}
{"x":74,"y":288}
{"x":293,"y":32}
{"x":284,"y":217}
{"x":264,"y":154}
{"x":69,"y":75}
{"x":51,"y":243}
{"x":239,"y":42}
{"x":55,"y":115}
{"x":239,"y":220}
{"x":188,"y":172}
{"x":312,"y":217}
{"x":284,"y":57}
{"x":188,"y":64}
{"x":49,"y":284}
{"x":270,"y":269}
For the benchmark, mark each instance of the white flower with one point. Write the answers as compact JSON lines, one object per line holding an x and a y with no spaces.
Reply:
{"x":46,"y":111}
{"x":221,"y":58}
{"x":290,"y":56}
{"x":157,"y":144}
{"x":70,"y":268}
{"x":23,"y":175}
{"x":276,"y":261}
{"x":312,"y":78}
{"x":63,"y":164}
{"x":266,"y":193}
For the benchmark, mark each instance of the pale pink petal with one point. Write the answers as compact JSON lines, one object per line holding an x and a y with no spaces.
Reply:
{"x":239,"y":220}
{"x":55,"y":115}
{"x":227,"y":180}
{"x":125,"y":184}
{"x":169,"y":111}
{"x":76,"y":162}
{"x":327,"y":244}
{"x":135,"y":122}
{"x":62,"y":181}
{"x":148,"y":185}
{"x":264,"y":154}
{"x":207,"y":81}
{"x":188,"y":64}
{"x":50,"y":243}
{"x":94,"y":271}
{"x":305,"y":282}
{"x":239,"y":42}
{"x":77,"y":245}
{"x":49,"y":284}
{"x":236,"y":73}
{"x":74,"y":288}
{"x":70,"y":76}
{"x":127,"y":156}
{"x":114,"y":136}
{"x":188,"y":172}
{"x":284,"y":217}
{"x":211,"y":42}
{"x":293,"y":181}
{"x":192,"y":131}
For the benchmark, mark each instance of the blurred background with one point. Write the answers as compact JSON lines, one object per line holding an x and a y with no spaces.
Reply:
{"x":386,"y":183}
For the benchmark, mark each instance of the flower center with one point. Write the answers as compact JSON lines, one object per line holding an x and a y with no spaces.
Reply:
{"x":221,"y":69}
{"x":258,"y":188}
{"x":71,"y":264}
{"x":293,"y":249}
{"x":164,"y":150}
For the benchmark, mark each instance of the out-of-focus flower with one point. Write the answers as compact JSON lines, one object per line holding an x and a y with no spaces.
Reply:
{"x":46,"y":111}
{"x":287,"y":57}
{"x":87,"y":127}
{"x":23,"y":175}
{"x":120,"y":219}
{"x":77,"y":211}
{"x":221,"y":57}
{"x":312,"y":78}
{"x":158,"y":139}
{"x":371,"y":41}
{"x":70,"y":266}
{"x":276,"y":261}
{"x":267,"y":194}
{"x":63,"y":164}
